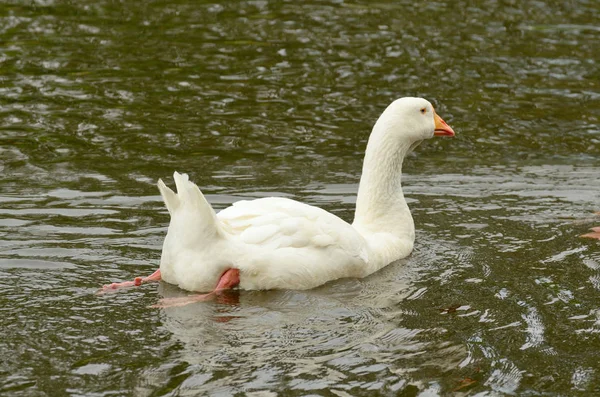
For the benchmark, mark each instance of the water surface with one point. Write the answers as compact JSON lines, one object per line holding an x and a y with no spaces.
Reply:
{"x":254,"y":98}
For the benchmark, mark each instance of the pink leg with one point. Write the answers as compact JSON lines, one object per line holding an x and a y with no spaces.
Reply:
{"x":135,"y":283}
{"x":229,"y":279}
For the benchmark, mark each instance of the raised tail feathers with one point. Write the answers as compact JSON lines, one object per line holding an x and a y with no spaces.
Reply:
{"x":189,"y":201}
{"x":169,"y":197}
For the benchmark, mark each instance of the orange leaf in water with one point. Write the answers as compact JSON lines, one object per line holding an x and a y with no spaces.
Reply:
{"x":595,"y":234}
{"x":466,"y":382}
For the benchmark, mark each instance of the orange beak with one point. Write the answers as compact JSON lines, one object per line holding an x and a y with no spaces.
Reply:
{"x":441,"y":128}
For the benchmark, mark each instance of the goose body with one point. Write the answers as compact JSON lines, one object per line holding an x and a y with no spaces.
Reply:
{"x":274,"y":242}
{"x":277,"y":243}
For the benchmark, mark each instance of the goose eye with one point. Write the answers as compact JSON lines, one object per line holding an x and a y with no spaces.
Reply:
{"x":423,"y":110}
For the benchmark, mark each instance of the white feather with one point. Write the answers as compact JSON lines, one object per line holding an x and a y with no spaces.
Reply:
{"x":282,"y":243}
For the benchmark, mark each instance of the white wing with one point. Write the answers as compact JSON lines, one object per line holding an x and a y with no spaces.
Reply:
{"x":289,"y":244}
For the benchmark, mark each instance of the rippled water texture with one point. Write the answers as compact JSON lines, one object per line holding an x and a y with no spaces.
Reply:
{"x":99,"y":99}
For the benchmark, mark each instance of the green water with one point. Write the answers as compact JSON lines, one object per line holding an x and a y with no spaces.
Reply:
{"x":99,"y":99}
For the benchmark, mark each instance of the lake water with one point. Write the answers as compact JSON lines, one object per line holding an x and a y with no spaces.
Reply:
{"x":99,"y":99}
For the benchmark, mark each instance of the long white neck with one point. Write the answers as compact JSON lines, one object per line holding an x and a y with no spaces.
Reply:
{"x":382,"y":216}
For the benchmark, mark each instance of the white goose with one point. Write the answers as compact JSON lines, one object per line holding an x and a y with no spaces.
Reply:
{"x":277,"y":243}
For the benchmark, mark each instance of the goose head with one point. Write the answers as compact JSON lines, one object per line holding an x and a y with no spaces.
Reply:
{"x":412,"y":120}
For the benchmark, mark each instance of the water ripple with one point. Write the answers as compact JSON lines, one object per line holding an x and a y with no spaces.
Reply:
{"x":253,"y":98}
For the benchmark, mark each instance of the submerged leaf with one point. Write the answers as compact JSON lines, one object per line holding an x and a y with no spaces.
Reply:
{"x":450,"y":309}
{"x":466,"y":382}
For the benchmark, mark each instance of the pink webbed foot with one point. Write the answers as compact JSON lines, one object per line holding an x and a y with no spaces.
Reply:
{"x":135,"y":283}
{"x":228,"y":280}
